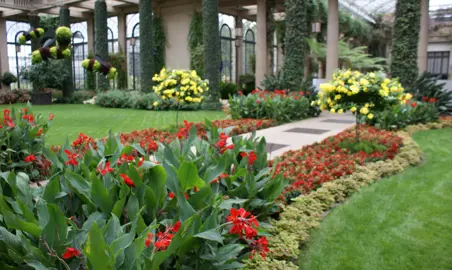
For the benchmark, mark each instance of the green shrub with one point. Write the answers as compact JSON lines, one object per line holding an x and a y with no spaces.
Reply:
{"x":228,"y":89}
{"x":8,"y":78}
{"x":426,"y":88}
{"x":78,"y":97}
{"x":50,"y":74}
{"x":278,"y":106}
{"x":247,"y":83}
{"x":400,"y":116}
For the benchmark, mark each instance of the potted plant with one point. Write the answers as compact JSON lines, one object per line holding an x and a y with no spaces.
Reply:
{"x":8,"y":78}
{"x":45,"y":77}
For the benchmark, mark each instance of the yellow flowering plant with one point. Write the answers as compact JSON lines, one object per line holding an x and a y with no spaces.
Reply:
{"x":361,"y":93}
{"x":181,"y":86}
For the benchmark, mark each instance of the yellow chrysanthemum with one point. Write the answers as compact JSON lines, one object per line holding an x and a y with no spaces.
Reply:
{"x":353,"y":109}
{"x":364,"y":110}
{"x":370,"y":116}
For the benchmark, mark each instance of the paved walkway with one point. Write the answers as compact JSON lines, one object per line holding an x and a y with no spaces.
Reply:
{"x":295,"y":135}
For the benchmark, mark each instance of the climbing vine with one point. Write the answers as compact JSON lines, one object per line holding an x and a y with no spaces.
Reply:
{"x":195,"y":43}
{"x":146,"y":36}
{"x":296,"y":47}
{"x":100,"y":20}
{"x":405,"y":41}
{"x":118,"y":60}
{"x":212,"y":61}
{"x":159,"y":44}
{"x":68,"y":86}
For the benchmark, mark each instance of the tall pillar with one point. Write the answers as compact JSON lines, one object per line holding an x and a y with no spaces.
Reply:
{"x":4,"y":61}
{"x":122,"y":31}
{"x":332,"y":59}
{"x":68,"y":86}
{"x":238,"y":48}
{"x":90,"y":30}
{"x":101,"y":16}
{"x":423,"y":37}
{"x":261,"y":42}
{"x":34,"y":23}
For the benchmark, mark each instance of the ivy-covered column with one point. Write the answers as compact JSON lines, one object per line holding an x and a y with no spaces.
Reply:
{"x":101,"y":37}
{"x":423,"y":37}
{"x":68,"y":85}
{"x":212,"y":53}
{"x":34,"y":21}
{"x":261,"y":42}
{"x":146,"y":44}
{"x":295,"y":46}
{"x":4,"y":62}
{"x":238,"y":48}
{"x":405,"y":42}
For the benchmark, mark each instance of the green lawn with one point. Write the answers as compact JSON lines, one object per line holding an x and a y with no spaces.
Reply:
{"x":95,"y":121}
{"x":403,"y":222}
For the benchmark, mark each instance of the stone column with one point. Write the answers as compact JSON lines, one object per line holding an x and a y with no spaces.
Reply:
{"x":122,"y":38}
{"x":4,"y":61}
{"x":238,"y":48}
{"x":261,"y":42}
{"x":423,"y":37}
{"x":332,"y":59}
{"x":90,"y":30}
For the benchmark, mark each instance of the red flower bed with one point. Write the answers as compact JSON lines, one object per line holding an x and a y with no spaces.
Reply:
{"x":282,"y":93}
{"x":149,"y":138}
{"x":322,"y":162}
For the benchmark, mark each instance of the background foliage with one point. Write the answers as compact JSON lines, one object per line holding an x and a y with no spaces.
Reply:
{"x":195,"y":43}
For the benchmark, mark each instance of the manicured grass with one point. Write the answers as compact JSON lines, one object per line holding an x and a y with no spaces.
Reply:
{"x":403,"y":222}
{"x":95,"y":121}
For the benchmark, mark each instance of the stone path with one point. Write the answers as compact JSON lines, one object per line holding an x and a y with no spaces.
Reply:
{"x":295,"y":135}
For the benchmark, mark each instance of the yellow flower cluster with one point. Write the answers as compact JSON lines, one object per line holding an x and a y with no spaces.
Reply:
{"x":360,"y":92}
{"x":184,"y":86}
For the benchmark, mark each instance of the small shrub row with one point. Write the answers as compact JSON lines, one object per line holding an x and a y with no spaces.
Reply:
{"x":139,"y":100}
{"x":402,"y":115}
{"x":280,"y":105}
{"x":78,"y":97}
{"x":15,"y":96}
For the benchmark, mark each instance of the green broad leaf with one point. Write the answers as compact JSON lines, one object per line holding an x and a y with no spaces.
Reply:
{"x":229,"y":203}
{"x":151,"y":202}
{"x":11,"y":241}
{"x":42,"y":213}
{"x":113,"y":230}
{"x":228,"y":252}
{"x":97,"y":251}
{"x":212,"y":235}
{"x":132,"y":207}
{"x":118,"y":208}
{"x":188,"y":176}
{"x":14,"y":222}
{"x":52,"y":157}
{"x":96,"y":217}
{"x":135,"y":176}
{"x":81,"y":185}
{"x":55,"y":231}
{"x":215,"y":171}
{"x":51,"y":190}
{"x":232,"y":265}
{"x":36,"y":265}
{"x":27,"y":213}
{"x":99,"y":195}
{"x":157,"y":182}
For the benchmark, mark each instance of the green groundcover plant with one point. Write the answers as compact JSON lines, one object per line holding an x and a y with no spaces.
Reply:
{"x":196,"y":203}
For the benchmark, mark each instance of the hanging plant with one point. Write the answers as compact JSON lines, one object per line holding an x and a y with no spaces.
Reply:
{"x":32,"y":34}
{"x":63,"y":37}
{"x":97,"y":64}
{"x":49,"y":52}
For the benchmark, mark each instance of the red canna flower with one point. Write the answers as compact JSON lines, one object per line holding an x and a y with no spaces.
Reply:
{"x":30,"y":158}
{"x":424,"y":99}
{"x":39,"y":133}
{"x":24,"y":110}
{"x":140,"y":162}
{"x":125,"y":158}
{"x":432,"y":100}
{"x":413,"y":104}
{"x":229,"y":147}
{"x":186,"y":195}
{"x":195,"y":189}
{"x":72,"y":158}
{"x":106,"y":168}
{"x":163,"y":239}
{"x":251,"y":157}
{"x":148,"y":240}
{"x":8,"y":121}
{"x":171,"y":195}
{"x":6,"y":112}
{"x":260,"y":246}
{"x":70,"y":252}
{"x":51,"y":116}
{"x":243,"y":221}
{"x":127,"y":180}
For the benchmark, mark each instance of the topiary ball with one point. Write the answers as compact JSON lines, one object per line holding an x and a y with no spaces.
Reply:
{"x":53,"y":52}
{"x":22,"y":39}
{"x":66,"y":53}
{"x":97,"y":66}
{"x":63,"y":36}
{"x":112,"y":73}
{"x":85,"y":63}
{"x":36,"y":57}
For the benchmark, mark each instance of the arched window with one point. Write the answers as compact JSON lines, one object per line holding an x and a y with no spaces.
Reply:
{"x":133,"y":44}
{"x":112,"y":34}
{"x":19,"y":56}
{"x":79,"y":53}
{"x":249,"y":51}
{"x":226,"y":52}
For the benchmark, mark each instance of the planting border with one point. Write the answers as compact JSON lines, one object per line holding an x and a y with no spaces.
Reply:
{"x":291,"y":231}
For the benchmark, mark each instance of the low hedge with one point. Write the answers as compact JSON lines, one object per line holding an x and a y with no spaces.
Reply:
{"x":139,"y":100}
{"x":280,"y":106}
{"x":292,"y":228}
{"x":15,"y":96}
